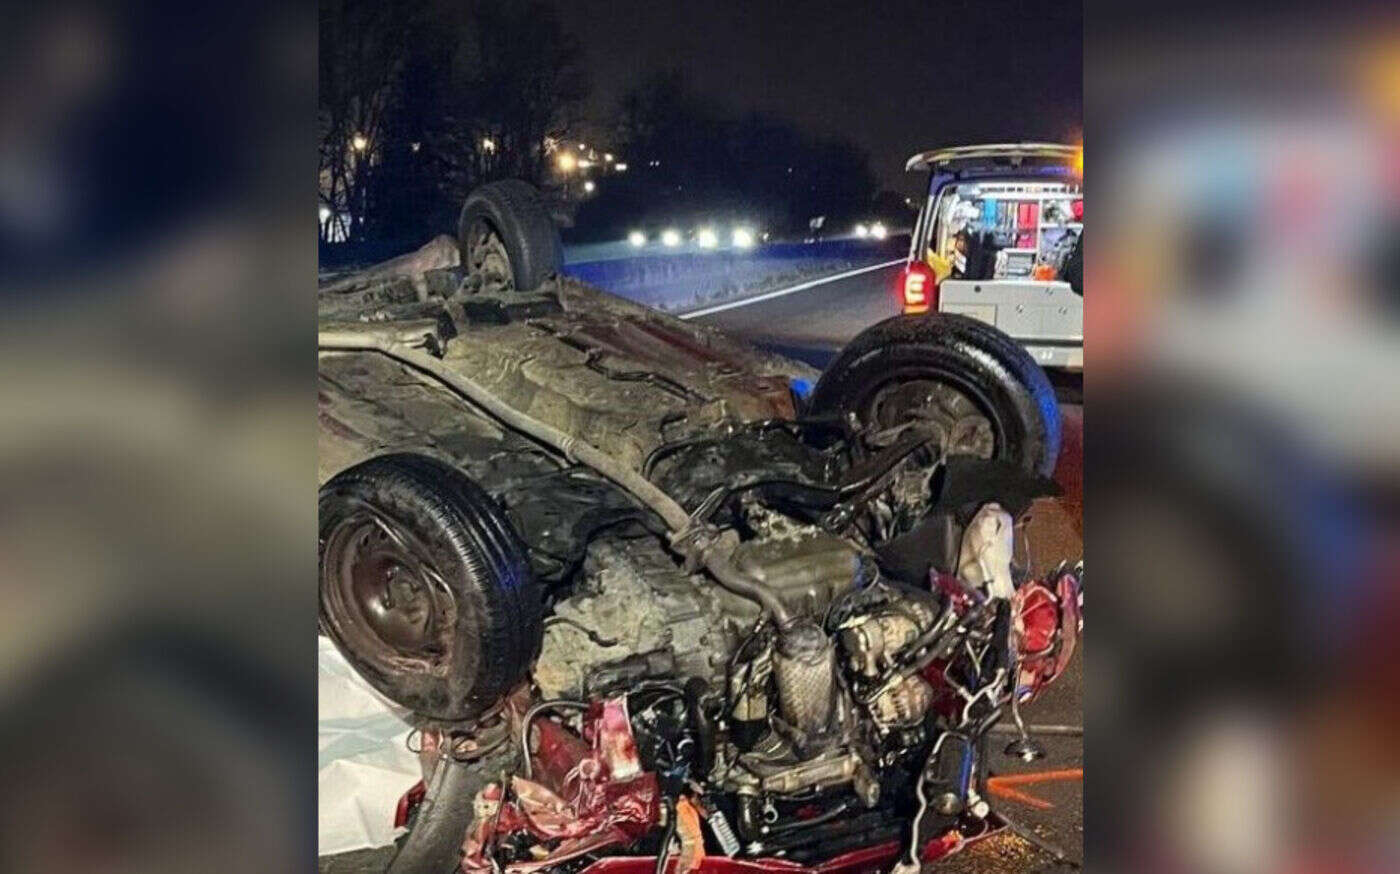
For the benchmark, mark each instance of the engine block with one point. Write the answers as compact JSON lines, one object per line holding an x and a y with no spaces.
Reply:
{"x":633,"y":600}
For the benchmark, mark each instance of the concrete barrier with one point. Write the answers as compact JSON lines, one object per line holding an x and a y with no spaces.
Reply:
{"x":686,"y":278}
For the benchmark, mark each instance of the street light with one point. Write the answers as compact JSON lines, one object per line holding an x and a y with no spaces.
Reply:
{"x":488,"y":145}
{"x":567,"y":162}
{"x":359,"y":143}
{"x":589,"y":186}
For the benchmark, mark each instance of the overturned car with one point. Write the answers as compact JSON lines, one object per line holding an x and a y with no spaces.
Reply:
{"x":657,"y":598}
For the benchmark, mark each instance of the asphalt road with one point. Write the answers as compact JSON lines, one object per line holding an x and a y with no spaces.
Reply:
{"x":1052,"y":533}
{"x":814,"y":323}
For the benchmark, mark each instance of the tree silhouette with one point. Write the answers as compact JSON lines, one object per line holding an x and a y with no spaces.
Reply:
{"x":693,"y":161}
{"x":422,"y":100}
{"x":363,"y":48}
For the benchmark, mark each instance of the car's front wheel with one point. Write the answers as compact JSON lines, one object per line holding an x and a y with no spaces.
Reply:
{"x":426,"y":587}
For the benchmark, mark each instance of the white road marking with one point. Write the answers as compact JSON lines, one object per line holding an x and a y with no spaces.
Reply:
{"x":803,"y":286}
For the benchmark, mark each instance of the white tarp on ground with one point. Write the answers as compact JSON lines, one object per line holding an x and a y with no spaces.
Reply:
{"x":364,"y":765}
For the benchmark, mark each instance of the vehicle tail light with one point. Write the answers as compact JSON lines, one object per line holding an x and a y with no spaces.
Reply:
{"x":919,"y":288}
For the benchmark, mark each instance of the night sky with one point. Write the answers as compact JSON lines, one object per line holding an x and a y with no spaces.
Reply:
{"x":896,"y":77}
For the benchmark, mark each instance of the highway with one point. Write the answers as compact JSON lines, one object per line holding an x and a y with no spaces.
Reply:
{"x":811,"y":321}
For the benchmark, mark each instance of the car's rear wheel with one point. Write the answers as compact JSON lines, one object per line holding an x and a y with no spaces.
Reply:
{"x":985,"y":393}
{"x":425,"y":586}
{"x":508,"y":238}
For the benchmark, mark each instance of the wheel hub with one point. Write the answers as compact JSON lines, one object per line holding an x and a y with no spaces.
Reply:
{"x":382,"y":594}
{"x":960,"y":428}
{"x":488,"y":259}
{"x":966,"y":430}
{"x":394,"y":603}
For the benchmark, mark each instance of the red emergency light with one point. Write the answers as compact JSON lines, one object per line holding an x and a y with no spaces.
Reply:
{"x":918,"y":288}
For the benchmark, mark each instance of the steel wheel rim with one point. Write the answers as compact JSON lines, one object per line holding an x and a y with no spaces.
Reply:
{"x":383,"y":598}
{"x":487,"y":257}
{"x":966,"y":428}
{"x":961,"y":426}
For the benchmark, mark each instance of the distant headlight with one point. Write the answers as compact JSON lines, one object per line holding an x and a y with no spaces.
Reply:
{"x":742,"y":238}
{"x":706,"y":238}
{"x":862,"y":231}
{"x":637,"y":238}
{"x":878,"y":231}
{"x":670,"y":237}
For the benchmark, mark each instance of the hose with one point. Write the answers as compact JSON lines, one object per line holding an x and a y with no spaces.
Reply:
{"x":695,"y":689}
{"x":715,"y":556}
{"x":770,"y":831}
{"x":528,"y":720}
{"x":663,"y":854}
{"x":722,"y":568}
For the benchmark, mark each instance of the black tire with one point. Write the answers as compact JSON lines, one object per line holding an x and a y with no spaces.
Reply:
{"x":514,"y":210}
{"x":433,"y":844}
{"x":988,"y":367}
{"x":400,"y":533}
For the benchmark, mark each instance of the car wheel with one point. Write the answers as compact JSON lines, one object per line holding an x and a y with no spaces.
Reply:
{"x":425,"y":586}
{"x":444,"y":818}
{"x":988,"y":396}
{"x":507,"y":237}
